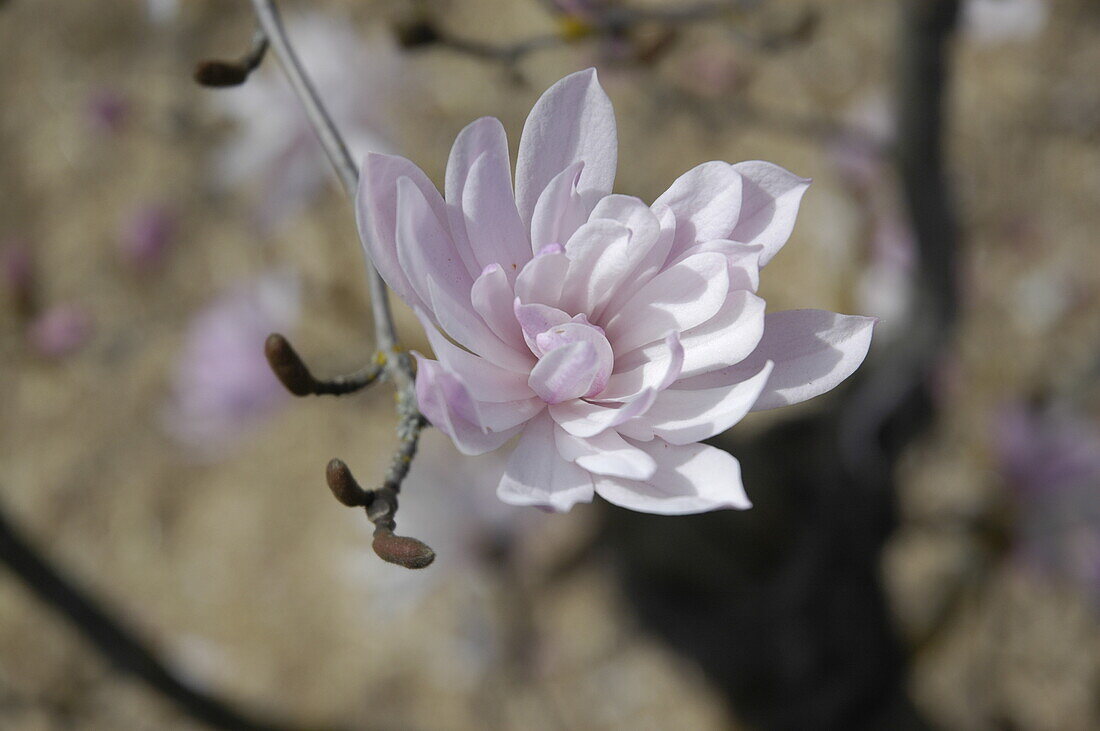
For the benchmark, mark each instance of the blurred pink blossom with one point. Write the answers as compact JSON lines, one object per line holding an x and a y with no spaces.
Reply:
{"x":222,"y":384}
{"x":1051,"y":460}
{"x":608,"y":335}
{"x":147,"y":235}
{"x":108,"y":109}
{"x":275,"y":145}
{"x":60,"y":330}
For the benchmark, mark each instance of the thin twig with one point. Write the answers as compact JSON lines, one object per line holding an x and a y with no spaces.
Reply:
{"x":293,"y":373}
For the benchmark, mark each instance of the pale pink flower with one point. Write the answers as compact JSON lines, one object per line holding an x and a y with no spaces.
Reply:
{"x":608,"y":335}
{"x":222,"y":383}
{"x":146,"y":236}
{"x":276,"y":145}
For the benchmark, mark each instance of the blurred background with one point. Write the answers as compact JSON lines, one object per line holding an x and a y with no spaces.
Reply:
{"x":925,"y":547}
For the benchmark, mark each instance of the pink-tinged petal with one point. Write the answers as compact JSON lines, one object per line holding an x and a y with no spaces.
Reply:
{"x":447,"y":403}
{"x":572,"y":121}
{"x":559,"y":210}
{"x":483,"y":136}
{"x":650,"y":263}
{"x":813,"y":351}
{"x":565,"y":373}
{"x":681,"y":416}
{"x":376,"y":215}
{"x":486,"y":381}
{"x":658,"y":370}
{"x":579,"y":330}
{"x":424,"y":247}
{"x":584,"y":419}
{"x":706,"y":201}
{"x":537,"y":475}
{"x":500,"y":416}
{"x":743,"y":261}
{"x":693,"y":478}
{"x":606,"y":454}
{"x":458,"y":320}
{"x":599,"y":258}
{"x":619,"y":268}
{"x":771,"y":196}
{"x":497,"y":235}
{"x":535,"y":319}
{"x":541,"y":279}
{"x":724,"y":340}
{"x":684,"y":295}
{"x":492,"y":297}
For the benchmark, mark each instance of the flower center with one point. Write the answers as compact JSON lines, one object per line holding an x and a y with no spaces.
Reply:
{"x":575,"y":361}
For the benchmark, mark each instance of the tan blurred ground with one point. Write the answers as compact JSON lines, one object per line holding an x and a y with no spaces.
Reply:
{"x":240,"y":568}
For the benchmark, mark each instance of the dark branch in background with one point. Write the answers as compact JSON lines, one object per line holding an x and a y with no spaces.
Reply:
{"x":116,"y":642}
{"x":389,"y":363}
{"x":603,"y":21}
{"x":783,"y":605}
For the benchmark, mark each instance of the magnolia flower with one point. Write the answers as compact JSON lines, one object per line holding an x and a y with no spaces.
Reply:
{"x":607,"y":335}
{"x":276,"y":144}
{"x":223,"y":384}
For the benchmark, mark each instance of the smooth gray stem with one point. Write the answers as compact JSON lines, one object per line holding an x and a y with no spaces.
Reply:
{"x":338,"y":154}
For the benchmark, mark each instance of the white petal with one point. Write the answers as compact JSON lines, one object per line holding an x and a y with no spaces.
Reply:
{"x":682,"y":416}
{"x":565,"y":373}
{"x":684,"y":295}
{"x":605,"y":454}
{"x":693,"y":478}
{"x":447,"y":403}
{"x":583,"y":419}
{"x":541,"y":279}
{"x":659,"y":369}
{"x":769,"y":207}
{"x":813,"y":350}
{"x":485,"y":380}
{"x":497,"y":235}
{"x":559,"y":211}
{"x":468,"y":330}
{"x":599,"y":257}
{"x":573,"y":120}
{"x":492,"y":297}
{"x":424,"y":247}
{"x":706,"y":201}
{"x":537,"y":475}
{"x":482,"y":136}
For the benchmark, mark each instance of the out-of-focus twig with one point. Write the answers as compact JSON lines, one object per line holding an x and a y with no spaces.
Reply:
{"x":116,"y":642}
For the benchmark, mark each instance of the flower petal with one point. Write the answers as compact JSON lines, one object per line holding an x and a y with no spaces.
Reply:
{"x":565,"y":373}
{"x":376,"y":216}
{"x":424,"y":247}
{"x":497,"y":235}
{"x":693,"y":478}
{"x":537,"y":475}
{"x":683,"y":416}
{"x":583,"y":419}
{"x":447,"y":403}
{"x":485,"y":380}
{"x":559,"y":210}
{"x":659,"y":369}
{"x":599,"y":258}
{"x":541,"y":279}
{"x":458,"y":320}
{"x":813,"y":350}
{"x":769,"y":206}
{"x":706,"y":201}
{"x":684,"y":295}
{"x":606,"y":454}
{"x":483,"y":136}
{"x":492,"y":297}
{"x":573,"y":120}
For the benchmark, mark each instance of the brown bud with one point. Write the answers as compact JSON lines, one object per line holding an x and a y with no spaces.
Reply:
{"x":401,"y":550}
{"x":344,"y":486}
{"x":220,"y":74}
{"x":416,"y":33}
{"x":288,"y":366}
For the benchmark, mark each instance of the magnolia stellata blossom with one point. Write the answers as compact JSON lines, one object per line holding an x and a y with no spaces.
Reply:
{"x":608,"y":336}
{"x":277,"y":145}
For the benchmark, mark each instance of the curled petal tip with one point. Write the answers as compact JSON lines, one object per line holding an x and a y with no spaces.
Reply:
{"x":401,"y":550}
